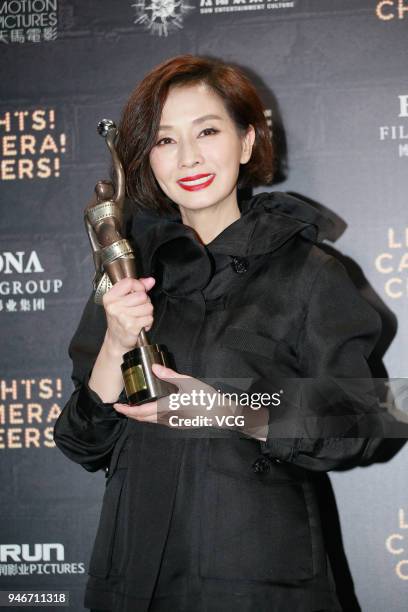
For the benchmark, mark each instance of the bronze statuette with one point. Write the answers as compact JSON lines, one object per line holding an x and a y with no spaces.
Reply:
{"x":114,"y":260}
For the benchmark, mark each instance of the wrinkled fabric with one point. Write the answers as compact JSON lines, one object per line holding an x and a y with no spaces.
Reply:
{"x":187,"y":521}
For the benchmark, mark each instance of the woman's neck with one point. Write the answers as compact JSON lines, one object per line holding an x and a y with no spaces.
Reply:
{"x":211,"y":221}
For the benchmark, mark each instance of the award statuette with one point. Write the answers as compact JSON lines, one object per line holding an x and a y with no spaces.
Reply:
{"x":114,"y":260}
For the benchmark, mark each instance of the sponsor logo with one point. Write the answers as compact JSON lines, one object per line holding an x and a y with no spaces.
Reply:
{"x":397,"y":545}
{"x":386,"y":10}
{"x":40,"y":559}
{"x":28,"y":294}
{"x":29,"y":408}
{"x":161,"y":17}
{"x":31,"y":21}
{"x":398,"y":133}
{"x":31,"y":147}
{"x":235,"y":6}
{"x":393,"y":263}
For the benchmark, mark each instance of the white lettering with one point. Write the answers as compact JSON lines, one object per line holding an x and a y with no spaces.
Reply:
{"x":403,"y":106}
{"x":389,"y":543}
{"x":14,"y":262}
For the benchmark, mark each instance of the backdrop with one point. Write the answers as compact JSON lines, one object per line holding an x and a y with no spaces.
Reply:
{"x":333,"y":75}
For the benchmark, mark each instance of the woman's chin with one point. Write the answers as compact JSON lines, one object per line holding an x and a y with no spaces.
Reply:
{"x":197,"y":201}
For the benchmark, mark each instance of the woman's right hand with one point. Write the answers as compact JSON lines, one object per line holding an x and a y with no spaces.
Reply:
{"x":128,"y":310}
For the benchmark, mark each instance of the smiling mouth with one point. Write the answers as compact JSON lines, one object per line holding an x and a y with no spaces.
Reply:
{"x":194,"y":183}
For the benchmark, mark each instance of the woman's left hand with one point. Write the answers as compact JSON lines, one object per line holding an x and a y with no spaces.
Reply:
{"x":196,"y":399}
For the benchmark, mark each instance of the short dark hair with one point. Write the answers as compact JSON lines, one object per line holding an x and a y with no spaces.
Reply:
{"x":141,"y":117}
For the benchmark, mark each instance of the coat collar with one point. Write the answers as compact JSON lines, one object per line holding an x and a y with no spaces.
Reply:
{"x":173,"y":253}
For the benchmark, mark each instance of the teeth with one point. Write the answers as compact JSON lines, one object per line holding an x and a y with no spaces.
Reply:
{"x":204,"y":179}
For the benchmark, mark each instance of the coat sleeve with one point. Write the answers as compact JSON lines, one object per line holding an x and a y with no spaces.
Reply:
{"x":87,"y":428}
{"x":331,"y":417}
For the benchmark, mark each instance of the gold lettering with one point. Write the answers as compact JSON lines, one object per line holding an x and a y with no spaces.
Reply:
{"x":14,"y":437}
{"x":388,"y":289}
{"x":402,"y":8}
{"x":403,"y":262}
{"x":34,"y":413}
{"x":48,"y":144}
{"x":9,"y":145}
{"x":7,"y":170}
{"x":11,"y":390}
{"x":44,"y":170}
{"x":32,"y":437}
{"x":53,"y":413}
{"x":6,"y":122}
{"x":391,"y":240}
{"x":25,"y":168}
{"x":21,"y":115}
{"x":27,"y":144}
{"x":39,"y":122}
{"x":399,"y":570}
{"x":49,"y":438}
{"x":389,"y":543}
{"x":380,"y":266}
{"x":380,"y":10}
{"x":45,"y":386}
{"x":15,"y":416}
{"x":28,"y":383}
{"x":401,"y":518}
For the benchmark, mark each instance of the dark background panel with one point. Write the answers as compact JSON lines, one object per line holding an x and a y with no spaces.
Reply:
{"x":331,"y":74}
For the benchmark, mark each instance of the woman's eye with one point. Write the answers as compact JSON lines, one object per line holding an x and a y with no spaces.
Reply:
{"x":209,"y":131}
{"x":162,"y":141}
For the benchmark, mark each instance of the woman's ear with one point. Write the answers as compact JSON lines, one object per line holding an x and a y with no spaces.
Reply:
{"x":247,"y":144}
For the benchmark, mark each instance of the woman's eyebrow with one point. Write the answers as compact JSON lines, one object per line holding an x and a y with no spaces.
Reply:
{"x":198,"y":120}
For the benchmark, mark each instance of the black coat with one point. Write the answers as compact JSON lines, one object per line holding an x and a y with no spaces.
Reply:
{"x":207,"y":523}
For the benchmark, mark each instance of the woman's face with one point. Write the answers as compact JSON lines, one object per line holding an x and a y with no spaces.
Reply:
{"x":198,"y":149}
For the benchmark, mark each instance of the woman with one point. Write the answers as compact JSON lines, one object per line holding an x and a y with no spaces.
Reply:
{"x":217,"y":518}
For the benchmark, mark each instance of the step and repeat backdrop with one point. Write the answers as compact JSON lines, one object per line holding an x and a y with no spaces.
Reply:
{"x":333,"y":76}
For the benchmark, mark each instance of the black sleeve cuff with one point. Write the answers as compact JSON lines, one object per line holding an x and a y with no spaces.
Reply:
{"x":93,"y":407}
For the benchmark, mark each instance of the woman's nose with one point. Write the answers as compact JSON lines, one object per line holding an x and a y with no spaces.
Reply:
{"x":189,"y":154}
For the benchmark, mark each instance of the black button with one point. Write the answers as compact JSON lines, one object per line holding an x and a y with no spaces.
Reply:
{"x":261,"y":465}
{"x":239,"y":264}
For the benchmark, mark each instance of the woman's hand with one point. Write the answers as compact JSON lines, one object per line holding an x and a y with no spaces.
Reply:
{"x":128,"y":310}
{"x":196,"y":405}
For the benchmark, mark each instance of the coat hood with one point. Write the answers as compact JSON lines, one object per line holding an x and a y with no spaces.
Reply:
{"x":167,"y":248}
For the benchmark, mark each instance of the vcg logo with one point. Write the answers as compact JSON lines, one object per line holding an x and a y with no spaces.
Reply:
{"x":391,"y":9}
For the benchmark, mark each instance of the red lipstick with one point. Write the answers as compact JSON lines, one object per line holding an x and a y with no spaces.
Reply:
{"x":196,"y":186}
